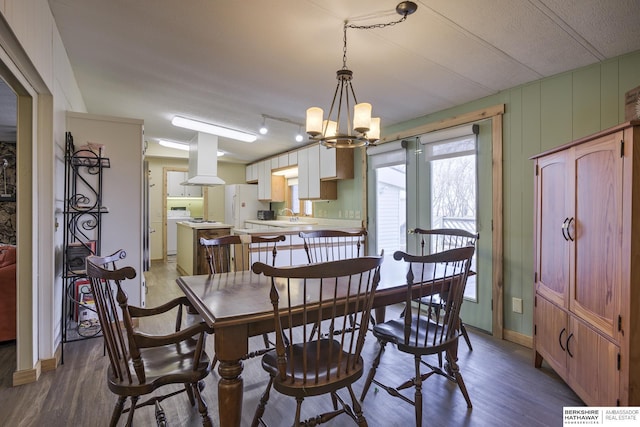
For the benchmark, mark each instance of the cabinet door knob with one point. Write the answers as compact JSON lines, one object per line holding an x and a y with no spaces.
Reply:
{"x":564,"y":229}
{"x":568,"y":350}
{"x":568,"y":228}
{"x":560,"y":339}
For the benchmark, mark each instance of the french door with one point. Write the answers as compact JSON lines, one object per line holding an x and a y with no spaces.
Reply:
{"x":441,"y":184}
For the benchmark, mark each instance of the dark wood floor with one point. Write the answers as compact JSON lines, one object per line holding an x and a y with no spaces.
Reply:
{"x":505,"y":388}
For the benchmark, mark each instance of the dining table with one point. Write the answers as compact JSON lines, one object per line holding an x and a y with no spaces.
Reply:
{"x":237,"y":306}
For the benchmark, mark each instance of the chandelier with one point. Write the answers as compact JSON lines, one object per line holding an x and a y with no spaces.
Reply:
{"x":341,"y":128}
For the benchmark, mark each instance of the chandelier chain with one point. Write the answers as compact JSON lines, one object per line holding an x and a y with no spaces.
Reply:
{"x":364,"y":27}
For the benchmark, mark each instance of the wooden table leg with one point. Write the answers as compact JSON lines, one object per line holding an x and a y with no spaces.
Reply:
{"x":231,"y":344}
{"x":230,"y":388}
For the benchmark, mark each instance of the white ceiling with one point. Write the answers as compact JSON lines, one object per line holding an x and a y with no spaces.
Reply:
{"x":230,"y":62}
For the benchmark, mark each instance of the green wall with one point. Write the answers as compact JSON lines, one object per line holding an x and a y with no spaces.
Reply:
{"x":538,"y":116}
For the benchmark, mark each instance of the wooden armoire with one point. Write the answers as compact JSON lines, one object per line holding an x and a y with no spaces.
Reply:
{"x":587,"y":264}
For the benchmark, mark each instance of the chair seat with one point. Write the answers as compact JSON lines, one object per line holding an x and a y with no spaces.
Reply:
{"x":345,"y":373}
{"x":422,"y":339}
{"x":168,"y":364}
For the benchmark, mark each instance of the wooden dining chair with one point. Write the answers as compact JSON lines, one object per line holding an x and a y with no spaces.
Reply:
{"x":238,"y":253}
{"x":332,"y":245}
{"x":443,"y":239}
{"x":421,"y":332}
{"x":141,"y":363}
{"x":325,"y":365}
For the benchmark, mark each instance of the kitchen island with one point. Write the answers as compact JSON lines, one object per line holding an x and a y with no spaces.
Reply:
{"x":291,"y":251}
{"x":190,"y":257}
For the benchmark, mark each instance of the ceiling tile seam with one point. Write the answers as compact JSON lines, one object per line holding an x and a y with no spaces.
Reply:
{"x":480,"y":40}
{"x":562,"y":24}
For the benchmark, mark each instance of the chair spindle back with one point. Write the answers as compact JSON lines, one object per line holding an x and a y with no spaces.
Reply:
{"x":427,"y":323}
{"x":340,"y":289}
{"x":332,"y":245}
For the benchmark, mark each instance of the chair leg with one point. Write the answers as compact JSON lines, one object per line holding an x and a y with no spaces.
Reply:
{"x":134,"y":401}
{"x":189,"y":390}
{"x":357,"y":408}
{"x":161,"y":419}
{"x":202,"y":406}
{"x":372,"y":371}
{"x":417,"y":401}
{"x":465,"y":336}
{"x":455,"y":372}
{"x":257,"y":417}
{"x":265,"y":338}
{"x":298,"y":410}
{"x":117,"y":411}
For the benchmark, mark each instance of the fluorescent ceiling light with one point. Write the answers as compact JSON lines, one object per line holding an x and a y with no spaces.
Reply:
{"x":180,"y":146}
{"x":212,"y":129}
{"x":176,"y":145}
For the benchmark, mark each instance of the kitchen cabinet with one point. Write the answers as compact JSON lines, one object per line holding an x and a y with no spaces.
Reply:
{"x":310,"y":187}
{"x":264,"y":180}
{"x":271,"y":188}
{"x":586,"y":250}
{"x":335,"y":163}
{"x":251,"y":173}
{"x":176,"y":189}
{"x":283,"y":160}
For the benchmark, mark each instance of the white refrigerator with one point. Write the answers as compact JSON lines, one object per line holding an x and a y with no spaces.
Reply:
{"x":241,"y":203}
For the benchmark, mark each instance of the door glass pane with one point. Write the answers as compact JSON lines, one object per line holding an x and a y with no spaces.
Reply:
{"x":453,"y":190}
{"x":391,"y":206}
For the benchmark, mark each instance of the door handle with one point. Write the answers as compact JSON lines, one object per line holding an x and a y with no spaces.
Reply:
{"x":569,"y":231}
{"x":560,"y":339}
{"x":564,"y":229}
{"x":411,"y":231}
{"x":568,"y":350}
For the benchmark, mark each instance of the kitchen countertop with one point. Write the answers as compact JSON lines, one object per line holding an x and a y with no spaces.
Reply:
{"x":204,"y":224}
{"x":293,"y":227}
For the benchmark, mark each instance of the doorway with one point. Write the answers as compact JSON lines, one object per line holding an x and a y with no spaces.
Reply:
{"x":8,"y":229}
{"x":433,"y":173}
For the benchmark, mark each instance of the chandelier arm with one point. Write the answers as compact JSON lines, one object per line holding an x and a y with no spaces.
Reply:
{"x":325,"y":125}
{"x":342,"y":83}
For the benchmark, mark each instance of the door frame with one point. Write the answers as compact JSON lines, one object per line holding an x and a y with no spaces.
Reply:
{"x":494,"y":114}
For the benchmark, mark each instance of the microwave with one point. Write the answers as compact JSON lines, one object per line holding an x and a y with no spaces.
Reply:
{"x":266,"y":215}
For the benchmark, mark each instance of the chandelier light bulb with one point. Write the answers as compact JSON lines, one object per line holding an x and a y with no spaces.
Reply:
{"x":314,"y":121}
{"x":362,"y":117}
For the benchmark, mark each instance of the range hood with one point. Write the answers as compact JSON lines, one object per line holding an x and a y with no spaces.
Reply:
{"x":203,"y":161}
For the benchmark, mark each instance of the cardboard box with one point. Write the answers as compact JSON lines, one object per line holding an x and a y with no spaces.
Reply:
{"x":632,"y":104}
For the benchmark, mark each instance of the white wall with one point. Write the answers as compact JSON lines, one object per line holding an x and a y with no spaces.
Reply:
{"x":37,"y":58}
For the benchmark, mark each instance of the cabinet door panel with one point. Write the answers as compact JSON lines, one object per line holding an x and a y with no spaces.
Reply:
{"x":597,"y":232}
{"x":593,"y":372}
{"x":551,"y":334}
{"x":552,"y":250}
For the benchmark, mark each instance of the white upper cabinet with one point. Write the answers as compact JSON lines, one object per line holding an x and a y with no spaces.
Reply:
{"x":176,"y":189}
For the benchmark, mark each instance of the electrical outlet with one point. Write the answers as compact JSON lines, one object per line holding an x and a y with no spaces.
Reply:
{"x":516,"y":304}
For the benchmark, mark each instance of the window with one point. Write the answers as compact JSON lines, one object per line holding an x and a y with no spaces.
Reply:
{"x":299,"y":207}
{"x":389,"y":225}
{"x":453,"y":189}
